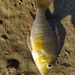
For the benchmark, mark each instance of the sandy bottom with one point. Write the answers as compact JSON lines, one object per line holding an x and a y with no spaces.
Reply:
{"x":15,"y":56}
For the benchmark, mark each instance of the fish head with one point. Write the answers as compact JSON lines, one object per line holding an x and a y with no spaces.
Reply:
{"x":45,"y":63}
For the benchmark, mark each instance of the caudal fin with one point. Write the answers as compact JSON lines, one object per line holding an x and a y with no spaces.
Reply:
{"x":42,"y":3}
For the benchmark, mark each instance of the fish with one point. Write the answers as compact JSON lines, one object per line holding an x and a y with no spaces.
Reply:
{"x":43,"y":40}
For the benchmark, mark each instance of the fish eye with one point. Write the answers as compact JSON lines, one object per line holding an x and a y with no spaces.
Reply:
{"x":50,"y":64}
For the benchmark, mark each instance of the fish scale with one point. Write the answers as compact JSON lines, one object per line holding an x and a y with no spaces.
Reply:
{"x":42,"y":34}
{"x":43,"y":40}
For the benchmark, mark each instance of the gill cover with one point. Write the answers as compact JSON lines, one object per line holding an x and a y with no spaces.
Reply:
{"x":44,"y":63}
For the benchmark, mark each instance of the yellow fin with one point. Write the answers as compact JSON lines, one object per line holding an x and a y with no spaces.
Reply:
{"x":42,"y":3}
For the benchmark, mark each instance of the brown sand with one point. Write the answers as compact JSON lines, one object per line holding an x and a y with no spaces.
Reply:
{"x":15,"y":57}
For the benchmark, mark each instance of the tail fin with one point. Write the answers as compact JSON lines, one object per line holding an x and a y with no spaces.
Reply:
{"x":42,"y":3}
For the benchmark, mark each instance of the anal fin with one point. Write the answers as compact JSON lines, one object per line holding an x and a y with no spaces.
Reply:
{"x":32,"y":18}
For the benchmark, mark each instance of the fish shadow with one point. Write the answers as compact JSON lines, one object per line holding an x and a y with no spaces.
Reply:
{"x":65,"y":8}
{"x":62,"y":8}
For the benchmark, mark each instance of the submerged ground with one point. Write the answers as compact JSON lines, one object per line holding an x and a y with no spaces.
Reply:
{"x":15,"y":57}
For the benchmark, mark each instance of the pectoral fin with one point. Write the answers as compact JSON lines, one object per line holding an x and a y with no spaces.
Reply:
{"x":29,"y":43}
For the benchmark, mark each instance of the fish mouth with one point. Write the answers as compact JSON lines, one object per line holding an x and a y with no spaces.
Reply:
{"x":43,"y":66}
{"x":44,"y":62}
{"x":45,"y":73}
